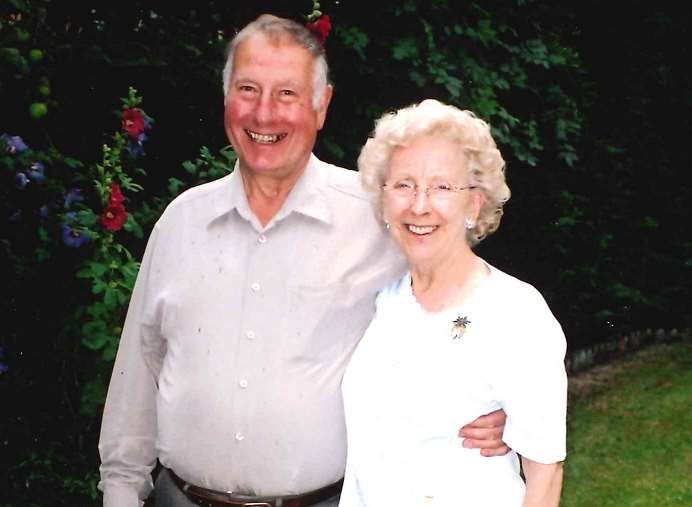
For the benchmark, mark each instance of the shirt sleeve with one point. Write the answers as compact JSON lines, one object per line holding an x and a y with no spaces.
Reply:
{"x":532,"y":386}
{"x":128,"y":428}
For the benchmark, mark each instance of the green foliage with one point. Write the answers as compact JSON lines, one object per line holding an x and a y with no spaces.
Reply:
{"x":479,"y":61}
{"x":209,"y":167}
{"x":111,"y":269}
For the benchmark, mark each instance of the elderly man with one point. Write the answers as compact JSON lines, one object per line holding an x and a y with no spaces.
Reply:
{"x":253,"y":291}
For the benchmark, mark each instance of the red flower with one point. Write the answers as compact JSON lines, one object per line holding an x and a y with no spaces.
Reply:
{"x":114,"y":216}
{"x":133,"y":122}
{"x":320,"y":28}
{"x":117,"y":196}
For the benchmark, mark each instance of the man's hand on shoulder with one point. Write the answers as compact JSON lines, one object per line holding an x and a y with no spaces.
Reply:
{"x":485,"y":433}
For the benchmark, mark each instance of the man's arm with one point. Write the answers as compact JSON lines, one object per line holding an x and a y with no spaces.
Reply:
{"x":543,"y":483}
{"x":128,"y":428}
{"x":485,"y":433}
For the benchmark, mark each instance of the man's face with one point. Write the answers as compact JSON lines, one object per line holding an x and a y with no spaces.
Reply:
{"x":269,"y":116}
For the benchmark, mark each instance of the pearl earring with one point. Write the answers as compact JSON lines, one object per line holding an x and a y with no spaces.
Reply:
{"x":468,"y":223}
{"x":386,"y":225}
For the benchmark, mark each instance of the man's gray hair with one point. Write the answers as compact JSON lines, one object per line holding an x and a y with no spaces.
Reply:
{"x":274,"y":29}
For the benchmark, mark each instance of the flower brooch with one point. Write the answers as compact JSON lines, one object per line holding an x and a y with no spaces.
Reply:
{"x":459,"y":327}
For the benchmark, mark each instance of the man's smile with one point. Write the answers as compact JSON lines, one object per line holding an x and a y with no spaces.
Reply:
{"x":265,"y":138}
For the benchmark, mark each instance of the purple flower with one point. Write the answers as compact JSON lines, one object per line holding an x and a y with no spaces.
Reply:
{"x":71,"y":236}
{"x":3,"y":366}
{"x":136,"y":145}
{"x":15,"y":144}
{"x":44,"y":211}
{"x":74,"y":195}
{"x":36,"y":172}
{"x":21,"y":180}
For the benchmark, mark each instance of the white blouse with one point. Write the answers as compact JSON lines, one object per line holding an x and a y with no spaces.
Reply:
{"x":417,"y":377}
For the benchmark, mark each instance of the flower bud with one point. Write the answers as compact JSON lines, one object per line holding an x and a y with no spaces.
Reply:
{"x":38,"y":110}
{"x":35,"y":55}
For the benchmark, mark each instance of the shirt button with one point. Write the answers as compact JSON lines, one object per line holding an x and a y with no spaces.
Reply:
{"x":255,"y":286}
{"x":242,"y":383}
{"x":239,"y":436}
{"x":262,"y":239}
{"x":250,"y":335}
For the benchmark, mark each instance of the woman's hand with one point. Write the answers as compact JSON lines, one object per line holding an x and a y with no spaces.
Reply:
{"x":543,"y":483}
{"x":485,"y":433}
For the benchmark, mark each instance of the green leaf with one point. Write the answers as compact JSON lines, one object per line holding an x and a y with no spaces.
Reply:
{"x":109,"y":351}
{"x":354,"y":38}
{"x":190,"y":167}
{"x":566,"y":221}
{"x":98,"y":287}
{"x":133,"y":227}
{"x":87,"y":217}
{"x":110,"y":297}
{"x":417,"y":78}
{"x":615,"y":150}
{"x":43,"y":234}
{"x":72,"y":163}
{"x":406,"y":48}
{"x":94,"y":327}
{"x":174,"y":185}
{"x":93,"y":396}
{"x":97,"y":268}
{"x":229,"y":154}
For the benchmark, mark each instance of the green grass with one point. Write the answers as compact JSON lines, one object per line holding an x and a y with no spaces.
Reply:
{"x":629,"y":440}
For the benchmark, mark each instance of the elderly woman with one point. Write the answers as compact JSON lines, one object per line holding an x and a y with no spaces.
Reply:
{"x":454,"y":338}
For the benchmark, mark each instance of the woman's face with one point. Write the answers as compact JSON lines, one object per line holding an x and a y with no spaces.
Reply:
{"x":426,"y":198}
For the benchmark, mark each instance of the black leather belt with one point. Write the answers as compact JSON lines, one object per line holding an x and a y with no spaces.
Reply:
{"x":210,"y":498}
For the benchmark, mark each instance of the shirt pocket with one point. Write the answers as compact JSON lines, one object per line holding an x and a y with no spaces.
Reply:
{"x":312,"y":318}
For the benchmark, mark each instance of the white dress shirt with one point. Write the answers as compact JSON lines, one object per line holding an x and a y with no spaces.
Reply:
{"x":412,"y":384}
{"x":236,"y":338}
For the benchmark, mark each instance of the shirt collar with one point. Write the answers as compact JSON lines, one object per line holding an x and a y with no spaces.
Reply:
{"x":306,"y":198}
{"x":308,"y":195}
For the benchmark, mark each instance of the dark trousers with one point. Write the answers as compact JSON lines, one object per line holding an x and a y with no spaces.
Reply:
{"x":167,"y":494}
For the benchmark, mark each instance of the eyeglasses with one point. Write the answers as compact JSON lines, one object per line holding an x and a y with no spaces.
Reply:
{"x":439,"y":191}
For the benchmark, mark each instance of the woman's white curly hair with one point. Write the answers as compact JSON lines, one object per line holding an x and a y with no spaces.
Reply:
{"x":486,"y":166}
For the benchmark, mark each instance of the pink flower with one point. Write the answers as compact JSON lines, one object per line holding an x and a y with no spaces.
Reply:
{"x":320,"y":28}
{"x":133,"y":122}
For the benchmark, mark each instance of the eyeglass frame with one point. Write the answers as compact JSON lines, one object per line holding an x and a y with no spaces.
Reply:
{"x":453,"y":188}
